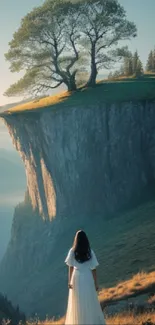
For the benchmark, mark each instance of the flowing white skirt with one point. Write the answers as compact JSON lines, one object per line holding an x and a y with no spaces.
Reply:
{"x":83,"y":304}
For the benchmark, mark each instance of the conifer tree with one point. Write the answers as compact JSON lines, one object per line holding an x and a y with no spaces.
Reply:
{"x":129,"y":66}
{"x":150,"y":64}
{"x":137,"y":65}
{"x":139,"y":68}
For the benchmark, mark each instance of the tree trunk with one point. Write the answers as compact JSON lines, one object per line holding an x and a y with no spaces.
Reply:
{"x":71,"y":84}
{"x":92,"y":79}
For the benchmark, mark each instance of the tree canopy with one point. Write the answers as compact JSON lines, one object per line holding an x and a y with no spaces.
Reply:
{"x":61,"y":39}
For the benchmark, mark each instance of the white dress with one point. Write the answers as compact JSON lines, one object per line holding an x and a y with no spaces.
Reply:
{"x":83,"y":304}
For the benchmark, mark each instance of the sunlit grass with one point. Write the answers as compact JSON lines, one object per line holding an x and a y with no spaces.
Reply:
{"x":131,"y":319}
{"x":151,"y":300}
{"x":138,"y":284}
{"x":43,"y":102}
{"x":61,"y":321}
{"x":118,"y":319}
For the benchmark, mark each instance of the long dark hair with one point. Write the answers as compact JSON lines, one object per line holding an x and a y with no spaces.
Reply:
{"x":81,"y":247}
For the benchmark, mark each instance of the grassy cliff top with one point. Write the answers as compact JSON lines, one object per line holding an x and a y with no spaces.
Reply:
{"x":120,"y":90}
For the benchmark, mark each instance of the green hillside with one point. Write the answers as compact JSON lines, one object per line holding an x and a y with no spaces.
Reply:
{"x":127,"y":244}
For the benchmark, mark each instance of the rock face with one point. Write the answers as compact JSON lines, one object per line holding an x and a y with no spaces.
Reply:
{"x":82,"y":165}
{"x":86,"y":159}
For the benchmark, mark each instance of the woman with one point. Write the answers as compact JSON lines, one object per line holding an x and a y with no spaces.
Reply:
{"x":83,"y":305}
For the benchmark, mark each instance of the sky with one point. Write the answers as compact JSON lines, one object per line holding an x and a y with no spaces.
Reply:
{"x":12,"y":11}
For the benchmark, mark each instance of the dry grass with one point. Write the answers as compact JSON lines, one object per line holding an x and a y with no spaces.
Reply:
{"x":151,"y":300}
{"x":138,"y":284}
{"x":131,"y":319}
{"x":120,"y":319}
{"x":49,"y":322}
{"x":149,"y":73}
{"x":40,"y":103}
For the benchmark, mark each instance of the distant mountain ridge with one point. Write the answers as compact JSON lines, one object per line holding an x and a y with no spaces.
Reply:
{"x":7,"y":106}
{"x":12,"y":188}
{"x":10,"y":155}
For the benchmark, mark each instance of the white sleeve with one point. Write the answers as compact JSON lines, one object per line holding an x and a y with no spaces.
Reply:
{"x":94,"y":261}
{"x":70,"y":258}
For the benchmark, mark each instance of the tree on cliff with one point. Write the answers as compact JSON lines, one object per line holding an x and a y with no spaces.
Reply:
{"x":150,"y":66}
{"x":137,"y":65}
{"x":128,"y":65}
{"x":45,"y":46}
{"x":56,"y":42}
{"x":104,"y":24}
{"x":132,"y":65}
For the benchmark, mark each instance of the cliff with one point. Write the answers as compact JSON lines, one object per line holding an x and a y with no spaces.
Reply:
{"x":84,"y":161}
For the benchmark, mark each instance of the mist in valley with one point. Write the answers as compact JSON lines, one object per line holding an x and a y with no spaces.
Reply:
{"x":12,"y":186}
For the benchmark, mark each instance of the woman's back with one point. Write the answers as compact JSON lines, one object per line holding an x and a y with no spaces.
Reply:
{"x":90,"y":264}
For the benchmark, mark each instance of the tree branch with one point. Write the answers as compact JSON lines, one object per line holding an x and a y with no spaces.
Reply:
{"x":50,"y":87}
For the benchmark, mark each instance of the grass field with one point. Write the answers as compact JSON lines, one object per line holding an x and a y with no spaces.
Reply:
{"x":106,"y":91}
